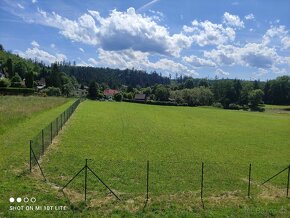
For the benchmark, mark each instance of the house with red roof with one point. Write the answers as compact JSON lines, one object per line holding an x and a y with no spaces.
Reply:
{"x":109,"y":93}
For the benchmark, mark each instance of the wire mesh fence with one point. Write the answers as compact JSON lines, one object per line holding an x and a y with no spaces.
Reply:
{"x":44,"y":138}
{"x":171,"y":181}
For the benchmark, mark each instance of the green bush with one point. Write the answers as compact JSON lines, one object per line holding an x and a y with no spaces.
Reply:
{"x":15,"y":91}
{"x":4,"y":82}
{"x":218,"y":105}
{"x":255,"y":99}
{"x":52,"y":91}
{"x":166,"y":103}
{"x":234,"y":106}
{"x":16,"y":81}
{"x":198,"y":96}
{"x":118,"y":97}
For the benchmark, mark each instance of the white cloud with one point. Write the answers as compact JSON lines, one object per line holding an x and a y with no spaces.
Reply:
{"x":233,"y":20}
{"x":251,"y":55}
{"x":52,"y":45}
{"x":261,"y":72}
{"x":285,"y":42}
{"x":81,"y":49}
{"x":139,"y":60}
{"x":123,"y":59}
{"x":156,"y":15}
{"x":34,"y":44}
{"x":274,"y":32}
{"x":93,"y":61}
{"x":118,"y":31}
{"x":198,"y":62}
{"x":84,"y":64}
{"x":82,"y":30}
{"x":20,"y":5}
{"x":208,"y":33}
{"x":34,"y":1}
{"x":41,"y":55}
{"x":277,"y":35}
{"x":221,"y":72}
{"x":172,"y":66}
{"x":250,"y":17}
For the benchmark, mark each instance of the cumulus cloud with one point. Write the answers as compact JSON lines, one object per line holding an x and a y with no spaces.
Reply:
{"x":41,"y":55}
{"x":221,"y":72}
{"x":172,"y":66}
{"x":251,"y":55}
{"x":250,"y":17}
{"x":34,"y":43}
{"x":277,"y":35}
{"x":118,"y":31}
{"x":93,"y":61}
{"x":285,"y":42}
{"x":139,"y":60}
{"x":233,"y":20}
{"x":273,"y":33}
{"x":208,"y":33}
{"x":198,"y":62}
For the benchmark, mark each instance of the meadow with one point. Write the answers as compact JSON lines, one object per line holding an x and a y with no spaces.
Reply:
{"x":21,"y":118}
{"x":119,"y":138}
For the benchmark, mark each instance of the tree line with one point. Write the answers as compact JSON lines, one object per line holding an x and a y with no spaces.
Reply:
{"x":114,"y":78}
{"x":62,"y":78}
{"x":19,"y":73}
{"x":225,"y":93}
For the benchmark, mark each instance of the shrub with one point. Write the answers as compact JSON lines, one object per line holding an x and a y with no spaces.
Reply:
{"x":16,"y":91}
{"x":245,"y":107}
{"x":234,"y":106}
{"x":128,"y":95}
{"x":52,"y":91}
{"x":161,"y":93}
{"x":118,"y":97}
{"x":4,"y":82}
{"x":166,"y":103}
{"x":16,"y":81}
{"x":218,"y":105}
{"x":198,"y":96}
{"x":255,"y":99}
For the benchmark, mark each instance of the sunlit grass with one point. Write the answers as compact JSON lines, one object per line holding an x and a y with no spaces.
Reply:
{"x":121,"y":137}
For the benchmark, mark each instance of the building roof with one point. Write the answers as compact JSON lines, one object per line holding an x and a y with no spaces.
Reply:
{"x":140,"y":97}
{"x":109,"y":92}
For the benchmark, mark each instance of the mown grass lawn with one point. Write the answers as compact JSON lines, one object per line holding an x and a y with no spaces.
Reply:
{"x":120,"y":137}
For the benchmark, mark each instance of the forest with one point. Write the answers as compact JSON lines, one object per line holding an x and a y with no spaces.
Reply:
{"x":63,"y":78}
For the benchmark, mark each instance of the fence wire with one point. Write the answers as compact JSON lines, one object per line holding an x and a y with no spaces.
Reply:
{"x":44,"y":138}
{"x":166,"y":180}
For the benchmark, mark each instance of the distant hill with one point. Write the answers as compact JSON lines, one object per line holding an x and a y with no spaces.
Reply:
{"x":114,"y":77}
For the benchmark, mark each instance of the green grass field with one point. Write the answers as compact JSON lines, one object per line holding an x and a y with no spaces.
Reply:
{"x":120,"y":137}
{"x":21,"y":119}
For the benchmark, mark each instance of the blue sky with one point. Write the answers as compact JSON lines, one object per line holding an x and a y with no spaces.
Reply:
{"x":246,"y":39}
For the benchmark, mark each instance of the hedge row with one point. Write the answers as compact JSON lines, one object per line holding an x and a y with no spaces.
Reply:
{"x":166,"y":103}
{"x":16,"y":91}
